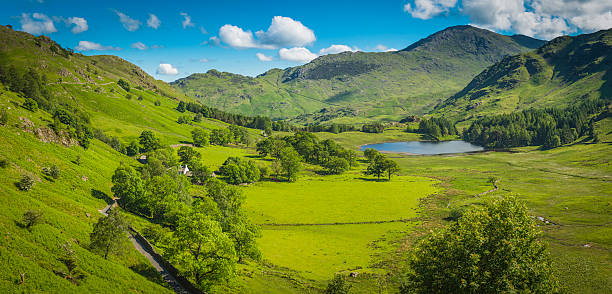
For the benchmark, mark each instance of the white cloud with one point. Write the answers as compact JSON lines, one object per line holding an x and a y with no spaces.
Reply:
{"x":263,"y":57}
{"x":213,"y":41}
{"x":203,"y":31}
{"x":153,"y":21}
{"x":426,"y":9}
{"x":129,"y":23}
{"x":203,"y":60}
{"x":80,"y":24}
{"x":88,"y":46}
{"x":236,"y":37}
{"x":37,"y":24}
{"x":296,"y":54}
{"x":333,"y":49}
{"x":187,"y":20}
{"x":167,"y":69}
{"x":283,"y":31}
{"x":139,"y":46}
{"x":383,"y":48}
{"x":157,"y":46}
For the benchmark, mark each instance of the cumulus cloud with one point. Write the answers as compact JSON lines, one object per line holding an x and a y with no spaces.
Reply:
{"x":383,"y":48}
{"x":187,"y":20}
{"x":89,"y":46}
{"x":80,"y":24}
{"x":153,"y":21}
{"x":536,"y":18}
{"x":139,"y":46}
{"x":296,"y":54}
{"x":128,"y":23}
{"x":283,"y":31}
{"x":333,"y":49}
{"x":213,"y":41}
{"x":426,"y":9}
{"x":37,"y":24}
{"x":167,"y":69}
{"x":236,"y":37}
{"x":263,"y":57}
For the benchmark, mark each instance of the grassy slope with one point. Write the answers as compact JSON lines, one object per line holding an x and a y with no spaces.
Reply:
{"x":376,"y":85}
{"x":565,"y":70}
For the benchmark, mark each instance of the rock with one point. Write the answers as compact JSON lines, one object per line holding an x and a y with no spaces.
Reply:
{"x":587,"y":245}
{"x":353,"y":274}
{"x":84,"y":178}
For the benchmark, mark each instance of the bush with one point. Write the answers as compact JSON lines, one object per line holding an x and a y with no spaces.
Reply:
{"x":128,"y":96}
{"x":30,"y":104}
{"x":52,"y":171}
{"x":157,"y":103}
{"x":4,"y":117}
{"x":26,"y":183}
{"x":4,"y":163}
{"x":338,"y":286}
{"x":239,"y":171}
{"x":200,"y":137}
{"x":31,"y":218}
{"x":123,"y":84}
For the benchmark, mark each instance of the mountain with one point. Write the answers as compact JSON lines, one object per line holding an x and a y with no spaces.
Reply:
{"x":563,"y":71}
{"x":374,"y":85}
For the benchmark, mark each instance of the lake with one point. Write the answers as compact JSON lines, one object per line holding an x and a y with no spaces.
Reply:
{"x":425,"y":148}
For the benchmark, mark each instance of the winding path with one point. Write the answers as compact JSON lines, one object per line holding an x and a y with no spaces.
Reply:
{"x":167,"y":276}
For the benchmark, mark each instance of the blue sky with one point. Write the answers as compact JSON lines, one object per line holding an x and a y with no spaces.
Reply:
{"x":250,"y":37}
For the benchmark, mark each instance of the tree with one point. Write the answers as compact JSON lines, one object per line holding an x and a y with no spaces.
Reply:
{"x":493,"y":249}
{"x":228,"y":198}
{"x":31,"y":218}
{"x":290,"y":163}
{"x":181,"y":107}
{"x":200,"y":173}
{"x":26,"y":183}
{"x":128,"y":186}
{"x":188,"y":155}
{"x":148,"y":141}
{"x":109,"y":233}
{"x":370,"y":153}
{"x":73,"y":273}
{"x":132,"y":149}
{"x":123,"y":84}
{"x":244,"y":234}
{"x":220,"y":137}
{"x":238,"y":171}
{"x":200,"y":137}
{"x":377,"y":166}
{"x":53,"y":171}
{"x":390,"y":167}
{"x":336,"y":165}
{"x":30,"y":104}
{"x":552,"y":141}
{"x":338,"y":286}
{"x":202,"y":250}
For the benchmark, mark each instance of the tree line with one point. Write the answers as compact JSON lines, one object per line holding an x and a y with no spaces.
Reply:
{"x":435,"y":127}
{"x":549,"y":128}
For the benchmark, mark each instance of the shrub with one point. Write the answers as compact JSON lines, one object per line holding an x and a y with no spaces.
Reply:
{"x":4,"y":163}
{"x":26,"y":183}
{"x":128,"y":96}
{"x":157,"y":103}
{"x":52,"y":171}
{"x":123,"y":84}
{"x":30,"y":104}
{"x":31,"y":218}
{"x":4,"y":117}
{"x":337,"y":286}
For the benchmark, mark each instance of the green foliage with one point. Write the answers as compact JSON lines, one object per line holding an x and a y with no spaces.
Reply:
{"x":184,"y":119}
{"x":53,"y":172}
{"x":371,"y":153}
{"x":220,"y":137}
{"x":437,"y":127}
{"x":336,"y":165}
{"x":26,"y":183}
{"x":128,"y":186}
{"x":30,"y":104}
{"x":109,"y":234}
{"x":188,"y":155}
{"x":123,"y":84}
{"x":157,"y":103}
{"x":4,"y":117}
{"x":199,"y":173}
{"x":132,"y":149}
{"x":373,"y":128}
{"x":238,"y":171}
{"x":200,"y":137}
{"x":181,"y":107}
{"x":380,"y":164}
{"x":148,"y":141}
{"x":4,"y":163}
{"x":73,"y":273}
{"x":489,"y":250}
{"x":289,"y":163}
{"x":338,"y":285}
{"x":203,"y":252}
{"x":31,"y":218}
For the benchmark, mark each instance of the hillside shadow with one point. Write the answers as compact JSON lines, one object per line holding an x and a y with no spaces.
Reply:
{"x":371,"y":179}
{"x":149,"y":272}
{"x":101,"y":195}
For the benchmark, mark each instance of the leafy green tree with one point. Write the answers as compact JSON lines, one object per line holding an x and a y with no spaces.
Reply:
{"x":132,"y":149}
{"x":128,"y":186}
{"x":264,"y":147}
{"x":220,"y":137}
{"x":200,"y":173}
{"x":188,"y":155}
{"x":203,"y":251}
{"x":26,"y":183}
{"x":69,"y":259}
{"x":31,"y":218}
{"x":153,"y":168}
{"x":377,"y":166}
{"x":552,"y":141}
{"x":338,"y":285}
{"x":163,"y":192}
{"x":109,"y":234}
{"x":390,"y":167}
{"x":371,"y":153}
{"x":148,"y":141}
{"x":493,"y":249}
{"x":123,"y":84}
{"x":53,"y":171}
{"x":229,"y":198}
{"x":290,"y":163}
{"x":200,"y":137}
{"x":238,"y":171}
{"x":30,"y":104}
{"x":244,"y":235}
{"x":336,"y":165}
{"x":181,"y":107}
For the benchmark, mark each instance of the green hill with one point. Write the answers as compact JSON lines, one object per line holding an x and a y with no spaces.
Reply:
{"x":563,"y":71}
{"x":374,"y":85}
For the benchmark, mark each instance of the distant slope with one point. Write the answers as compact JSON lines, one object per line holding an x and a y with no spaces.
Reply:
{"x":563,"y":71}
{"x":375,"y":85}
